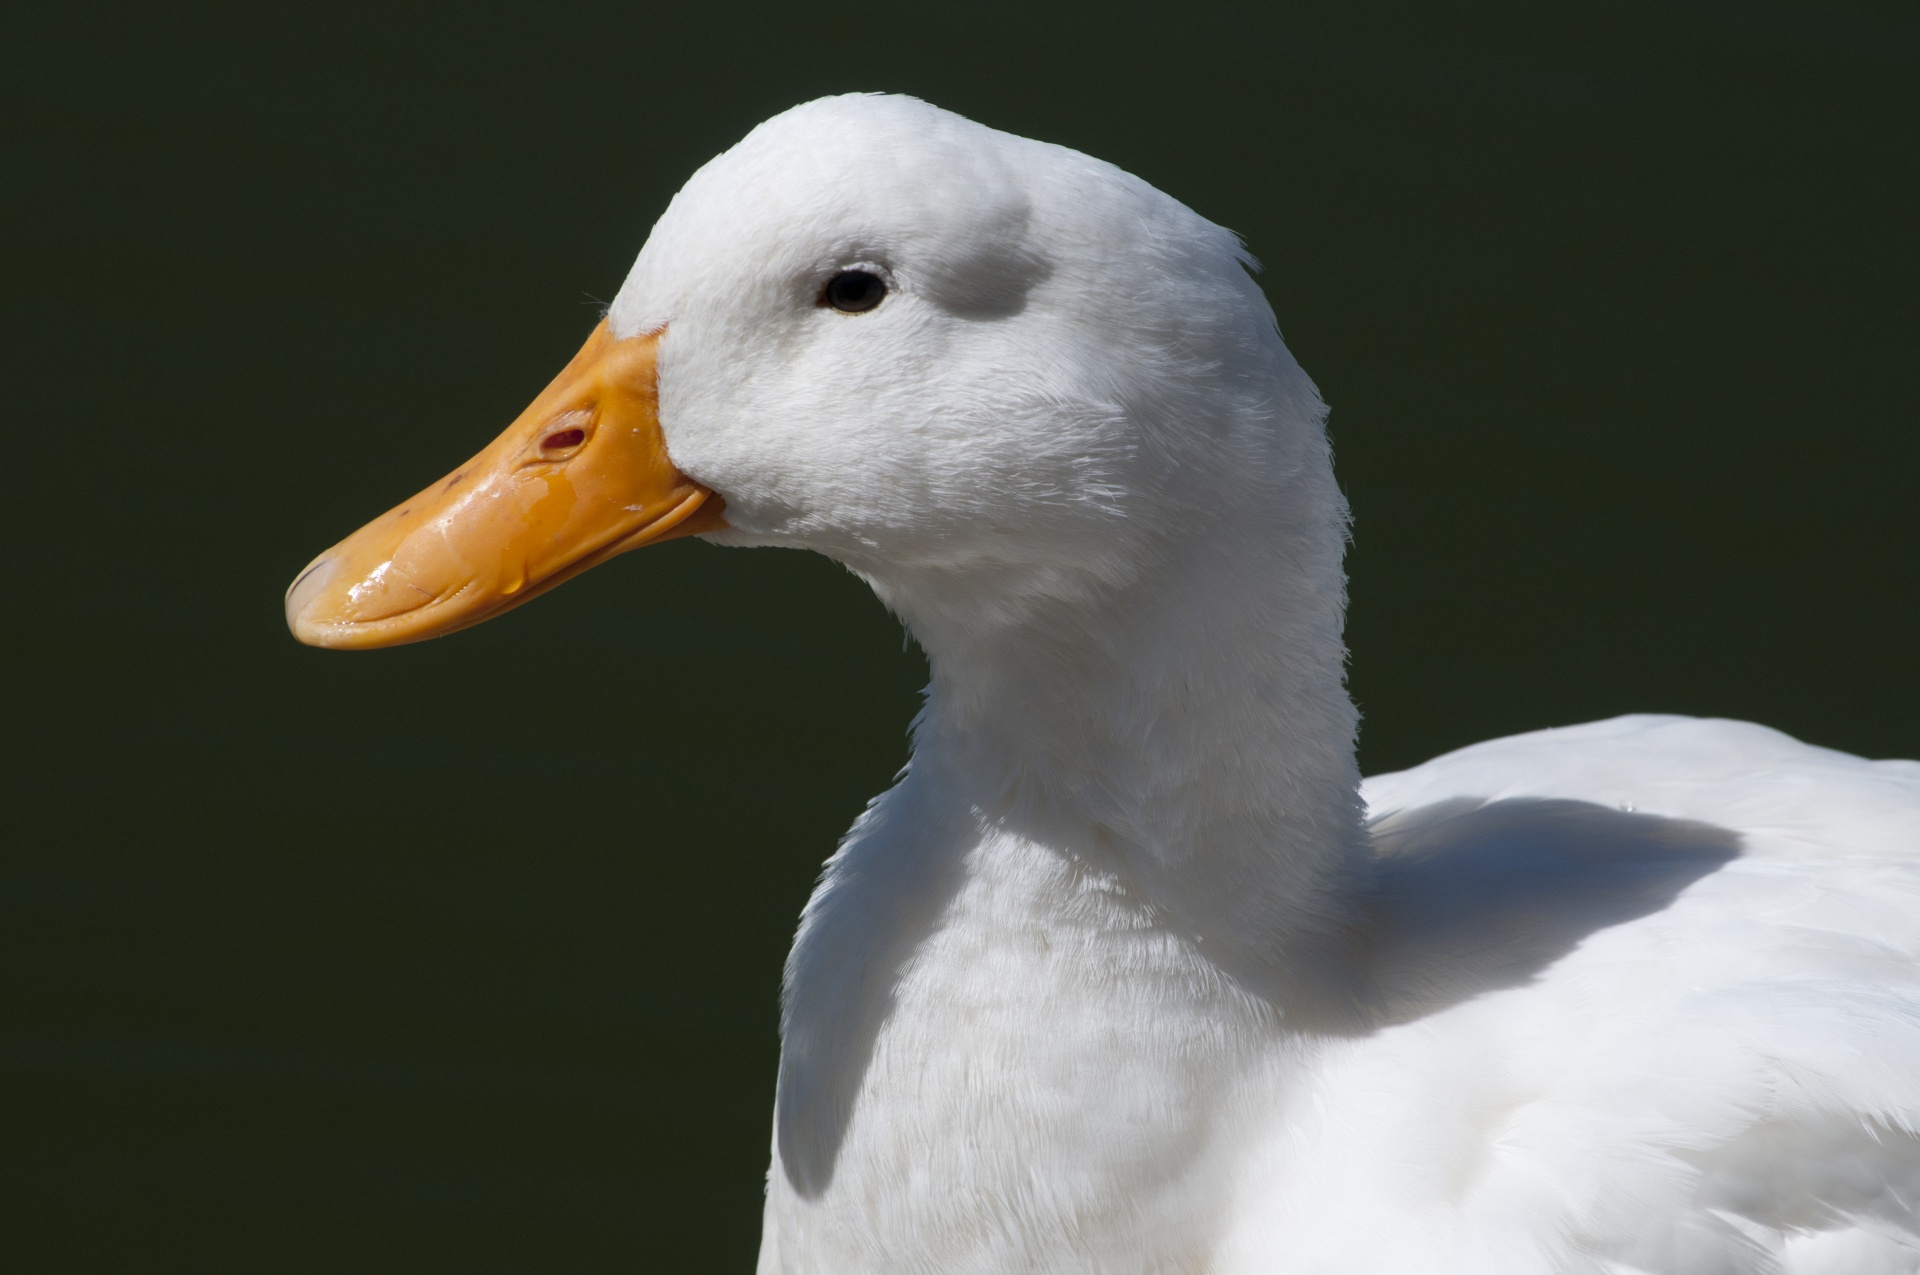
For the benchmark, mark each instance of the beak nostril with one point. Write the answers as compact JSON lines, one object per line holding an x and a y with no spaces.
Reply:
{"x":562,"y":439}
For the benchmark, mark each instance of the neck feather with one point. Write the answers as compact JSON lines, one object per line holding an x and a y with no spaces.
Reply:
{"x":1191,"y":722}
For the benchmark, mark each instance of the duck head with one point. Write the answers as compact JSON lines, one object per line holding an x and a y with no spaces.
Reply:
{"x":951,"y":358}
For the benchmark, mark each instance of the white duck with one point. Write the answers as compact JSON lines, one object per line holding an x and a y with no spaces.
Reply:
{"x":1130,"y":972}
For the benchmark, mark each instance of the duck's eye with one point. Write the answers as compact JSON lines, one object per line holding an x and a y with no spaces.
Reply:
{"x":852,"y":291}
{"x":560,"y":440}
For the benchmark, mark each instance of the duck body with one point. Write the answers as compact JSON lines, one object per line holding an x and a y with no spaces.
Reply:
{"x":1130,"y":972}
{"x":1639,"y":995}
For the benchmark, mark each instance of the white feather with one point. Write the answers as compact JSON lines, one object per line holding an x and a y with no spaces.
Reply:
{"x":1129,"y":973}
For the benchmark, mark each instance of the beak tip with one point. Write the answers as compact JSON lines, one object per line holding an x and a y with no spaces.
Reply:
{"x":303,"y":593}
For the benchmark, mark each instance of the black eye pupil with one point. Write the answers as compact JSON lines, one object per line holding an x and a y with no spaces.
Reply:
{"x":854,"y":291}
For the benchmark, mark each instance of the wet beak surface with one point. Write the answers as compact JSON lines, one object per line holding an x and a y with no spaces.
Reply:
{"x":582,"y":475}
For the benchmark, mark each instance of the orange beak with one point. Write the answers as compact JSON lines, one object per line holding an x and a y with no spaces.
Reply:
{"x":581,"y":476}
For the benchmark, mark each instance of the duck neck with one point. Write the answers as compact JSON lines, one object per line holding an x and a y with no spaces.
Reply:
{"x":1189,"y":725}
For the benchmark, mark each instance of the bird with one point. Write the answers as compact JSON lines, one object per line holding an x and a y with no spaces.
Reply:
{"x":1130,"y":970}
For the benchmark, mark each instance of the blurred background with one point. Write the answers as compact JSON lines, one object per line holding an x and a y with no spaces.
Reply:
{"x":465,"y":956}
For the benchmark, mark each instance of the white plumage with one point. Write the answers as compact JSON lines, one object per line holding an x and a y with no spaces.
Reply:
{"x":1129,"y":972}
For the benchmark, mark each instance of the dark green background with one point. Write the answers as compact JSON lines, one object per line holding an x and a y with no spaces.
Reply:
{"x":464,"y":956}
